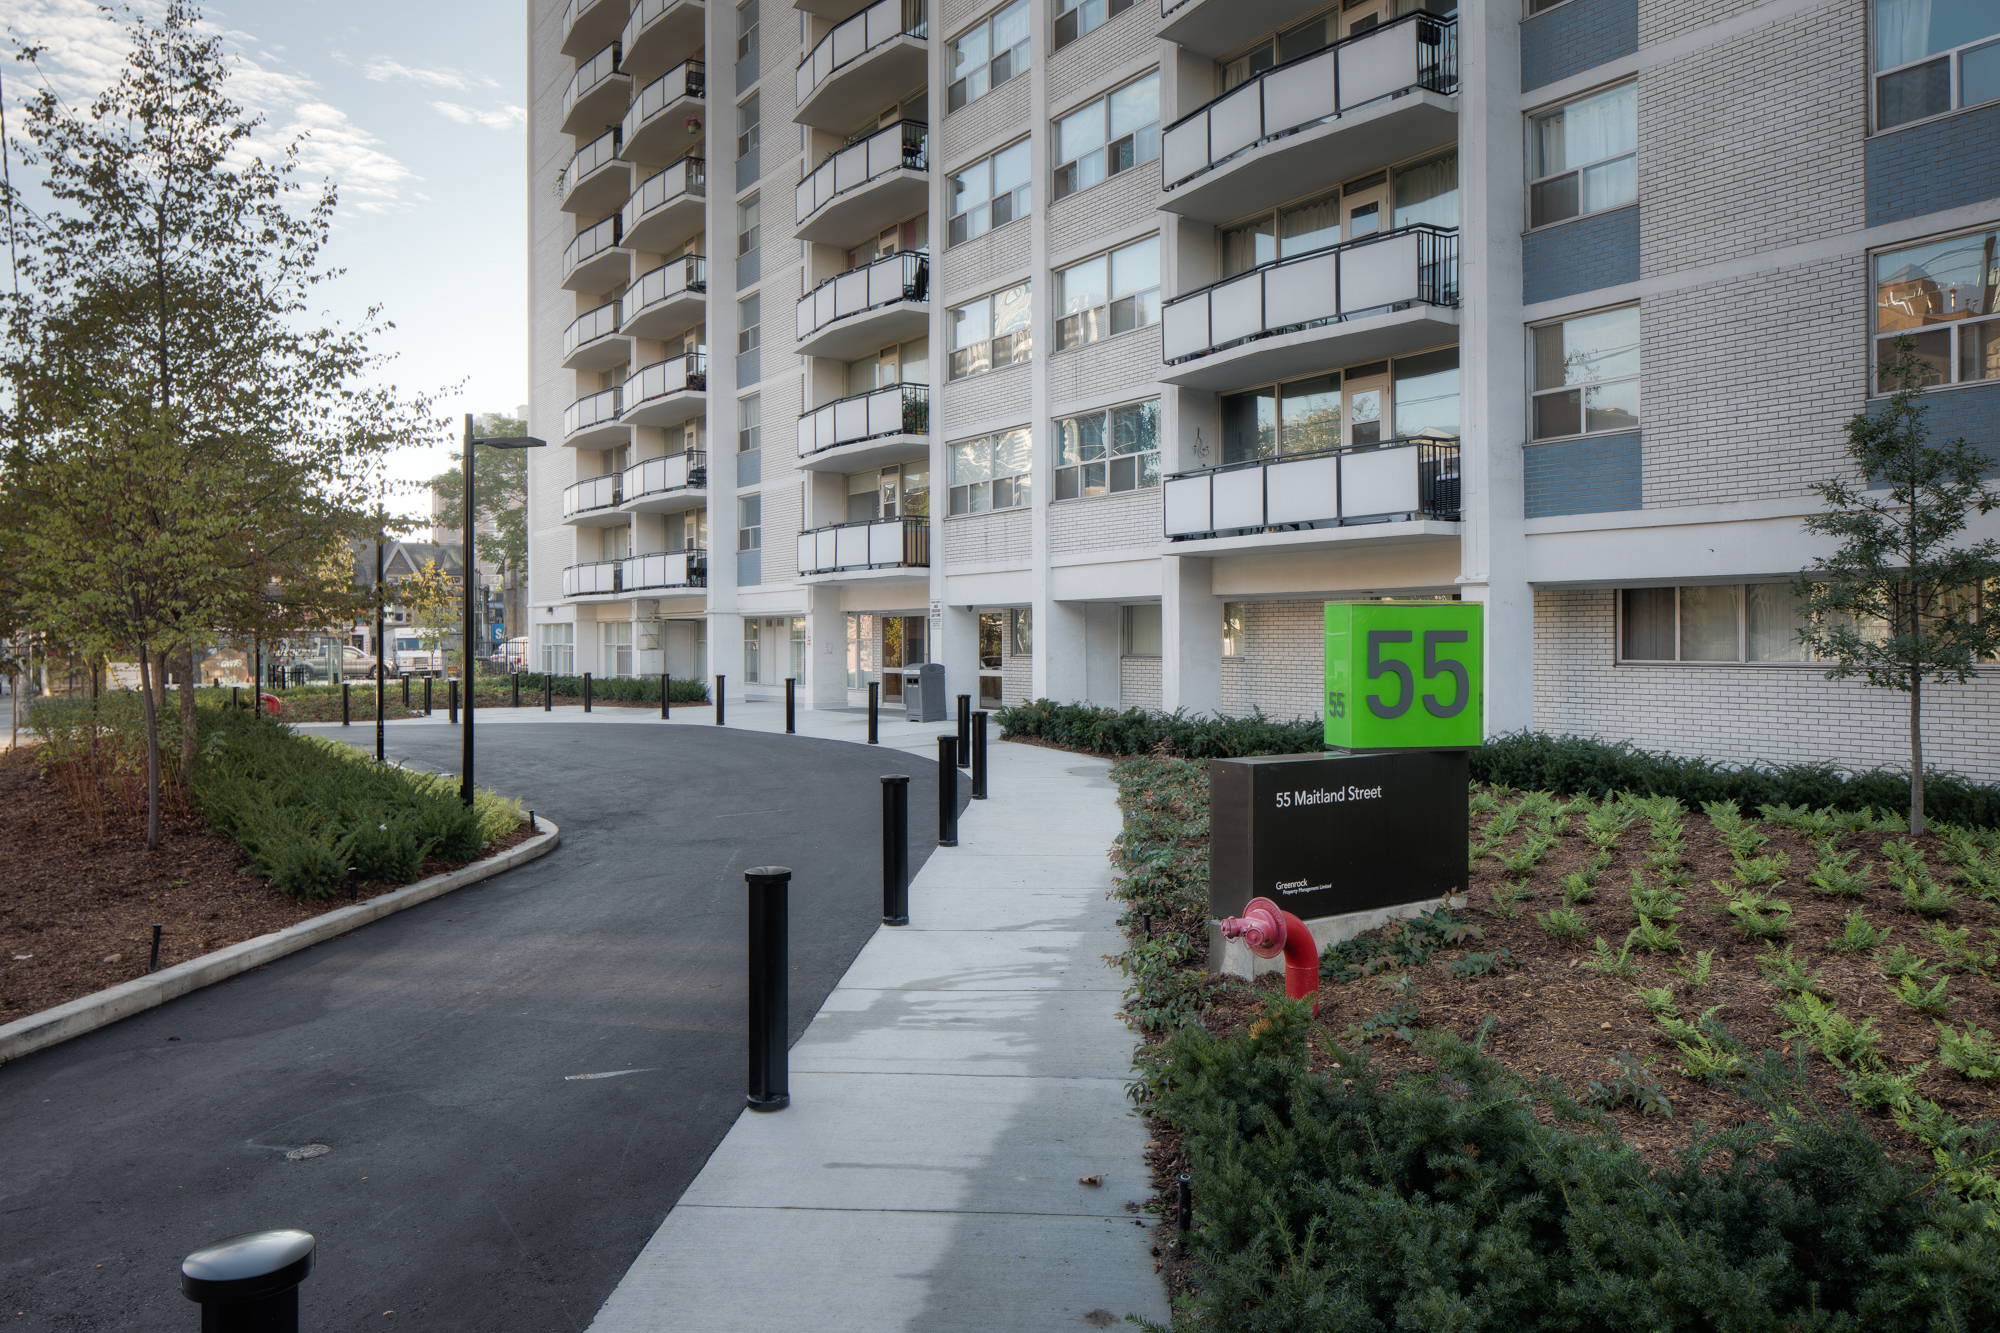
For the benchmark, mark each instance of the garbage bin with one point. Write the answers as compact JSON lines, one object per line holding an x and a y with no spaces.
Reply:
{"x":923,"y":692}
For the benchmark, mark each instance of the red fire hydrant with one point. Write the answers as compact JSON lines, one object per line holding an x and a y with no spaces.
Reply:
{"x":1270,"y":930}
{"x":272,"y":704}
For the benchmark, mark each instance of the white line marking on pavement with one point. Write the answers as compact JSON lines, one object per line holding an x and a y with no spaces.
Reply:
{"x":574,"y":1078}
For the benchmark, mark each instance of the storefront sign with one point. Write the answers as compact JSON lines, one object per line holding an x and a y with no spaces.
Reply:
{"x":1404,"y":675}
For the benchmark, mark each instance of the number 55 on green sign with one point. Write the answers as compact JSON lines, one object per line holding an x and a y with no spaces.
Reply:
{"x":1404,"y":675}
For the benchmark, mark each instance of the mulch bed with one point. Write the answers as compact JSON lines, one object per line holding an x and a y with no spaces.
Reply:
{"x":78,"y":902}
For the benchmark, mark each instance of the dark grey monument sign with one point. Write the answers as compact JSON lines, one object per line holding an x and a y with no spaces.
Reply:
{"x":1322,"y":835}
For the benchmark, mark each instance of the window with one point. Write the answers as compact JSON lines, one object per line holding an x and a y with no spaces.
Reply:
{"x":617,"y":543}
{"x":618,"y":648}
{"x":1940,"y":295}
{"x":749,"y":424}
{"x":983,"y":58}
{"x":558,"y":649}
{"x":1021,"y":631}
{"x":1276,"y":49}
{"x":1103,"y":453}
{"x":1586,"y":374}
{"x":1583,"y":157}
{"x":750,"y":523}
{"x":687,"y":530}
{"x":1074,"y":18}
{"x":1933,"y":55}
{"x":1426,"y":395}
{"x":748,"y":233}
{"x":752,"y":642}
{"x":1142,"y":631}
{"x":746,"y":30}
{"x":990,"y":623}
{"x":1232,"y":629}
{"x":749,"y":322}
{"x":897,"y":491}
{"x":1412,"y":397}
{"x":990,"y":193}
{"x":1115,"y":133}
{"x":990,"y":473}
{"x":1111,"y":294}
{"x":989,"y":333}
{"x":748,"y":131}
{"x":1727,"y":623}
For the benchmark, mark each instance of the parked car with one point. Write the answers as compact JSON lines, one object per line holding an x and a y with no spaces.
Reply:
{"x":313,"y":668}
{"x":513,"y":655}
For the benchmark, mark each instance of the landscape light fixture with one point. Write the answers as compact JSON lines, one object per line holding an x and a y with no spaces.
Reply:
{"x":470,"y":572}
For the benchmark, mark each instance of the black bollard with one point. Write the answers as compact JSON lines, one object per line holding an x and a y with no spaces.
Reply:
{"x":249,"y":1283}
{"x":791,"y":715}
{"x":236,"y":697}
{"x":451,"y":700}
{"x":719,"y":682}
{"x":666,"y":704}
{"x":427,"y":696}
{"x":353,"y":884}
{"x":406,"y":690}
{"x":154,"y":964}
{"x":964,"y":731}
{"x":548,"y":694}
{"x":1184,"y":1209}
{"x":346,"y":703}
{"x":586,"y":691}
{"x":516,"y":680}
{"x":979,"y":756}
{"x":947,"y":791}
{"x":769,"y":990}
{"x":874,"y":707}
{"x":896,"y":849}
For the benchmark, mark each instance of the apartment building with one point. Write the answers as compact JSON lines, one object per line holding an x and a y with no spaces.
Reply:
{"x":1125,"y":333}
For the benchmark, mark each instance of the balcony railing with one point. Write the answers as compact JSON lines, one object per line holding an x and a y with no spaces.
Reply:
{"x":599,"y":152}
{"x":577,"y":9}
{"x":904,"y":276}
{"x":596,"y":577}
{"x":673,"y":375}
{"x":1412,"y":265}
{"x":592,"y":325}
{"x":689,"y":273}
{"x":589,"y":76}
{"x":665,"y":569}
{"x":874,"y":26}
{"x":898,"y":409}
{"x":904,"y":145}
{"x":597,"y":409}
{"x":683,"y":80}
{"x":674,"y":472}
{"x":1416,"y":51}
{"x":883,"y":543}
{"x":590,"y":244}
{"x":1399,"y":479}
{"x":687,"y":178}
{"x":590,"y":494}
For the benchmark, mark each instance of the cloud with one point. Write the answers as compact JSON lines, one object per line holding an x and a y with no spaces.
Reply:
{"x":506,"y":118}
{"x":382,"y":69}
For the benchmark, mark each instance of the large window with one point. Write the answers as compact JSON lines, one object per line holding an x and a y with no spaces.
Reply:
{"x":749,"y":323}
{"x":989,"y":333}
{"x":750,"y":523}
{"x":1232,"y":629}
{"x":749,"y":424}
{"x":1583,"y":157}
{"x":987,"y":55}
{"x":990,"y":193}
{"x":558,"y":649}
{"x":1112,"y":134}
{"x":900,"y":490}
{"x":1103,"y":453}
{"x":1586,"y":374}
{"x":1142,"y":630}
{"x":1718,"y":623}
{"x":1933,"y":55}
{"x":749,"y":131}
{"x":1110,"y":294}
{"x":1940,"y":295}
{"x":1021,"y":631}
{"x":1418,"y":192}
{"x":904,"y":363}
{"x":746,"y":29}
{"x":990,"y":473}
{"x":618,"y":648}
{"x":1411,"y":397}
{"x":748,"y":229}
{"x":1074,"y":18}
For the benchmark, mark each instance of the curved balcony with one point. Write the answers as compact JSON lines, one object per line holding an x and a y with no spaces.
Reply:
{"x":596,"y":179}
{"x":589,"y":24}
{"x":597,"y":95}
{"x":593,"y":262}
{"x":665,"y":485}
{"x":1377,"y":489}
{"x":591,"y":422}
{"x":593,"y":579}
{"x":1384,"y":96}
{"x":591,"y":341}
{"x":660,"y":34}
{"x":1379,"y":296}
{"x":668,"y":207}
{"x":664,"y":569}
{"x":592,"y":502}
{"x":669,"y":300}
{"x":866,"y":308}
{"x":667,"y":115}
{"x":860,"y":63}
{"x":874,"y":549}
{"x":865,"y":186}
{"x":668,"y":391}
{"x":864,"y":430}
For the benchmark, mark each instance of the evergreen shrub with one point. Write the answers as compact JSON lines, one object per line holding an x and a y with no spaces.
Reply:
{"x":611,"y":689}
{"x":1137,"y":731}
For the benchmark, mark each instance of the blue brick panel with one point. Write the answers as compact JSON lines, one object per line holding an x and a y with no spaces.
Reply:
{"x":1600,"y":475}
{"x":1571,"y":38}
{"x":1936,"y":165}
{"x":748,"y":267}
{"x":1601,"y":250}
{"x":1970,"y":412}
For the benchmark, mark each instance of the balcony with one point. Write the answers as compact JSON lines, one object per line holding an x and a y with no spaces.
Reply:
{"x":596,"y":97}
{"x":596,"y":181}
{"x":879,"y":548}
{"x":594,"y":579}
{"x":669,"y":300}
{"x":593,"y":262}
{"x":665,"y":485}
{"x":591,"y":342}
{"x":861,"y":63}
{"x":667,"y":392}
{"x":866,"y":430}
{"x":589,"y":24}
{"x":866,"y":186}
{"x":1362,"y":103}
{"x":664,"y":569}
{"x":866,"y":308}
{"x":591,"y":422}
{"x":1379,"y":296}
{"x":1395,"y":483}
{"x":592,"y":502}
{"x":661,"y":33}
{"x":667,"y":207}
{"x":667,"y":114}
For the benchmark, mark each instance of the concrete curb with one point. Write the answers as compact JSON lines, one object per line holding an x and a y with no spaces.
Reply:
{"x":87,"y":1013}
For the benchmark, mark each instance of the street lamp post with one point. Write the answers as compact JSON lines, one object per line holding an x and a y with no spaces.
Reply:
{"x":471,"y":576}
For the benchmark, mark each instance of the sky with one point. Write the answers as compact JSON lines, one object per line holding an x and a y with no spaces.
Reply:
{"x":414,"y":110}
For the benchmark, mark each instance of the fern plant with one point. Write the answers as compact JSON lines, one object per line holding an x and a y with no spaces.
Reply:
{"x":1833,"y":876}
{"x":1924,"y":895}
{"x":1933,"y":1002}
{"x":1697,"y":971}
{"x":1619,"y":964}
{"x":1649,"y":937}
{"x":1789,"y":972}
{"x":1630,"y":1085}
{"x":1657,"y":1001}
{"x":1898,"y":962}
{"x":1659,"y":903}
{"x":1857,"y":935}
{"x":1759,"y":916}
{"x":1577,"y":887}
{"x":1761,"y":871}
{"x":1564,"y":923}
{"x":1972,"y":1053}
{"x":1830,"y":1032}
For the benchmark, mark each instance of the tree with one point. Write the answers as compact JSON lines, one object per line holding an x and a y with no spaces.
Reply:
{"x":499,"y":496}
{"x":1897,"y":604}
{"x":434,"y":597}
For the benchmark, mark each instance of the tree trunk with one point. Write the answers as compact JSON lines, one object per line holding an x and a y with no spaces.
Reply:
{"x":1916,"y":754}
{"x":152,"y":751}
{"x":190,"y":735}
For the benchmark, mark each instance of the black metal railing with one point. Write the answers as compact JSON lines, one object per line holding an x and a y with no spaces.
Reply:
{"x":894,"y":409}
{"x":1330,"y":491}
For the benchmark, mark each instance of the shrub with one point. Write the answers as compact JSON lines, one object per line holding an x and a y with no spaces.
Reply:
{"x":615,"y":689}
{"x":1137,"y":731}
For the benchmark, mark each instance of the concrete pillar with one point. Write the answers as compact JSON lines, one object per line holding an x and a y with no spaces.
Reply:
{"x":958,"y":648}
{"x":1190,"y":636}
{"x":826,"y":650}
{"x":1058,"y":668}
{"x":1104,"y":644}
{"x":725,"y":651}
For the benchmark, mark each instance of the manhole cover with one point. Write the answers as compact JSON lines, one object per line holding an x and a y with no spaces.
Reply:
{"x":310,"y":1150}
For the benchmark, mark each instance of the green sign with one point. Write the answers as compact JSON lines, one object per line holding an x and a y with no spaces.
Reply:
{"x":1404,"y":675}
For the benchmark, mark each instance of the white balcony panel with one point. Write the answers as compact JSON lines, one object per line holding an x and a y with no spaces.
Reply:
{"x":663,"y":569}
{"x":1234,"y":123}
{"x":1310,"y":351}
{"x":1239,"y":498}
{"x":1304,"y":491}
{"x":589,"y":24}
{"x":667,"y":208}
{"x":661,"y":34}
{"x":1184,"y":327}
{"x":861,"y":59}
{"x":1236,"y":309}
{"x":885,"y":543}
{"x":851,"y":545}
{"x":654,"y":125}
{"x":1185,"y":149}
{"x":1300,"y":94}
{"x":1384,"y":63}
{"x":1302,"y":292}
{"x":1382,"y":482}
{"x":1381,"y":274}
{"x":1186,"y":505}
